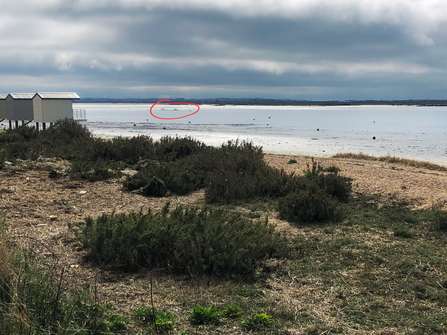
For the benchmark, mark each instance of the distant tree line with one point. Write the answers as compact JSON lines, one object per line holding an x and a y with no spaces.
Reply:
{"x":271,"y":102}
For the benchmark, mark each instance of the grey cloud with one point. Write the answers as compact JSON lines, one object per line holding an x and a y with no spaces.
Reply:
{"x":346,"y":48}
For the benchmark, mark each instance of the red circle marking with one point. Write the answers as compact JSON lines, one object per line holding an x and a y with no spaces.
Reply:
{"x":174,"y":103}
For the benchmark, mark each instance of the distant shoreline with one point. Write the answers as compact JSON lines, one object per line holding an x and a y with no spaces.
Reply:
{"x":275,"y":102}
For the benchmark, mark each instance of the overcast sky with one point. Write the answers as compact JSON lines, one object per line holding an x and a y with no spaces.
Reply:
{"x":296,"y":49}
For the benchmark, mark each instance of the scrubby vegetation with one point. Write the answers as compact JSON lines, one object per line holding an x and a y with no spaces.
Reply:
{"x":34,"y":299}
{"x":186,"y":240}
{"x":364,"y":268}
{"x":232,"y":173}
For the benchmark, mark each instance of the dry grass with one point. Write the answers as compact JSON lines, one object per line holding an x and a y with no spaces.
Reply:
{"x":392,"y":159}
{"x":5,"y":265}
{"x":393,"y":183}
{"x":357,"y":277}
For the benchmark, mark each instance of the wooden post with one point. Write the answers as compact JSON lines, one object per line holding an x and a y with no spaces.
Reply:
{"x":17,"y":123}
{"x":10,"y":124}
{"x":44,"y":126}
{"x":37,"y":125}
{"x":23,"y":122}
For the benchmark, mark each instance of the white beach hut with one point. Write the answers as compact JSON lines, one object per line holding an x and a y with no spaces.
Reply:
{"x":3,"y":106}
{"x":50,"y":107}
{"x":19,"y":106}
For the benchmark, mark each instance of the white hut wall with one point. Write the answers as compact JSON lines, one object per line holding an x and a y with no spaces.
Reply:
{"x":23,"y":109}
{"x":56,"y":109}
{"x":37,"y":106}
{"x":3,"y":109}
{"x":10,"y":108}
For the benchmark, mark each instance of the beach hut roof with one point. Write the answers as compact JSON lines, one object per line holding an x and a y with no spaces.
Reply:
{"x":58,"y":95}
{"x":3,"y":96}
{"x":24,"y":96}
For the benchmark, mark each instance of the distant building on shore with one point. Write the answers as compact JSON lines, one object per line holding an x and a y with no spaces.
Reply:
{"x":50,"y":107}
{"x":19,"y":106}
{"x":41,"y":107}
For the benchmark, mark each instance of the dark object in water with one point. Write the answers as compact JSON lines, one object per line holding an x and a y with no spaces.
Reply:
{"x":374,"y":137}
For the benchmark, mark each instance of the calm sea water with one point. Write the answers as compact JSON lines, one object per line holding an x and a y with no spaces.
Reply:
{"x":403,"y":131}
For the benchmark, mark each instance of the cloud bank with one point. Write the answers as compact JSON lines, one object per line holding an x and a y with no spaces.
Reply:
{"x":308,"y":49}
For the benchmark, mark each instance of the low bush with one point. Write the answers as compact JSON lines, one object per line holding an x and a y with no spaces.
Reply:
{"x":241,"y":173}
{"x":311,"y":205}
{"x":174,"y":148}
{"x":93,"y":170}
{"x":438,"y":219}
{"x":160,"y":322}
{"x":232,"y":312}
{"x":157,"y":178}
{"x":204,"y":315}
{"x":187,"y":240}
{"x":332,"y":168}
{"x":2,"y":159}
{"x":331,"y":183}
{"x":258,"y":321}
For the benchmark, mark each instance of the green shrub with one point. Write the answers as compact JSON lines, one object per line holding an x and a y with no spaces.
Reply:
{"x":2,"y":159}
{"x":333,"y":169}
{"x":244,"y":176}
{"x":404,"y":233}
{"x":438,"y":219}
{"x":173,"y":148}
{"x":232,"y":311}
{"x":164,"y":322}
{"x":309,"y":206}
{"x":240,"y":173}
{"x":331,"y":183}
{"x":188,"y":240}
{"x":93,"y":170}
{"x":66,"y":130}
{"x":161,"y":322}
{"x":258,"y":321}
{"x":20,"y":134}
{"x":204,"y":315}
{"x":144,"y":314}
{"x":117,"y":322}
{"x":157,"y":178}
{"x":292,"y":161}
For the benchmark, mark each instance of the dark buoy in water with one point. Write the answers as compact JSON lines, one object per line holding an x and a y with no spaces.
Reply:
{"x":134,"y":125}
{"x":318,"y":129}
{"x":374,"y":137}
{"x":164,"y":127}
